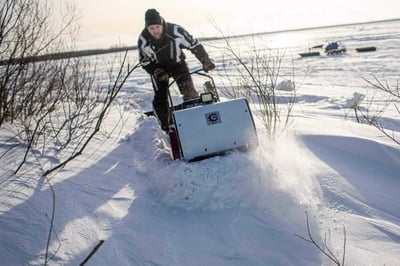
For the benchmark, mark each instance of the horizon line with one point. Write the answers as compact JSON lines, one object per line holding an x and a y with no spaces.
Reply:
{"x":113,"y":49}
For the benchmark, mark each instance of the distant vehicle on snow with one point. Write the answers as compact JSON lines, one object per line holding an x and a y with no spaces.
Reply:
{"x":334,"y":48}
{"x":330,"y":49}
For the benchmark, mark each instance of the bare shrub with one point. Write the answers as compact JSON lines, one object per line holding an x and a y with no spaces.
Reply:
{"x":25,"y":32}
{"x":48,"y":103}
{"x":257,"y":72}
{"x":49,"y":109}
{"x":373,"y":114}
{"x":93,"y":124}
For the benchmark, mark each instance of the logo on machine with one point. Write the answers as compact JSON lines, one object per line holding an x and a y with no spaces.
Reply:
{"x":213,"y":118}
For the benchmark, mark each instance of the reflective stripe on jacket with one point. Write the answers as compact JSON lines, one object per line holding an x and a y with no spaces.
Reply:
{"x":167,"y":52}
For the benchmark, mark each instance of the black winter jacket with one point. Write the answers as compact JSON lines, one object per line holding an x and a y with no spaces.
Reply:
{"x":166,"y":53}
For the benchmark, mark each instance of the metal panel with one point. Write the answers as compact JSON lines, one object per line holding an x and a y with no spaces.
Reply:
{"x":214,"y":128}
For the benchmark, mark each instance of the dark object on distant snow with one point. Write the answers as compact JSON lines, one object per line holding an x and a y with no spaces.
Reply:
{"x":334,"y":48}
{"x":318,"y":46}
{"x":366,"y":49}
{"x":309,"y":54}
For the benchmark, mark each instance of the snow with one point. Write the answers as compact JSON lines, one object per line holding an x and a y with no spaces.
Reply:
{"x":240,"y":209}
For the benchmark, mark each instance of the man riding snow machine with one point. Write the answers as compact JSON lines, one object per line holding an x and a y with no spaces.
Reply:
{"x":204,"y":127}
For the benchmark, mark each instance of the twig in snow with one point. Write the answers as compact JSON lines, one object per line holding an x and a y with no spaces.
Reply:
{"x":325,"y":250}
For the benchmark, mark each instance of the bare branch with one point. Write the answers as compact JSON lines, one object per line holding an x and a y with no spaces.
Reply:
{"x":326,"y":251}
{"x":257,"y":75}
{"x":374,"y":119}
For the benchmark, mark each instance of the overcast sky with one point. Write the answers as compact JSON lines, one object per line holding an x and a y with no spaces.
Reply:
{"x":112,"y":22}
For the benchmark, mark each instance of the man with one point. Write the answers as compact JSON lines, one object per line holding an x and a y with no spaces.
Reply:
{"x":160,"y":52}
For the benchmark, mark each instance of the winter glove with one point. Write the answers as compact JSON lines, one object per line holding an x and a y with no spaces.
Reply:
{"x":160,"y":75}
{"x":207,"y":64}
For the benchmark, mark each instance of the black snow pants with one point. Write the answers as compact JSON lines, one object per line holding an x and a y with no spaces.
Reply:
{"x":180,"y":73}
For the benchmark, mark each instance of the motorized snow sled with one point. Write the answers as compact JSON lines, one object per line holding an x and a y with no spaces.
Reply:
{"x":334,"y":48}
{"x":205,"y":126}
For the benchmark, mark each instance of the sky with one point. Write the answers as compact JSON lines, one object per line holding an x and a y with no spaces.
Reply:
{"x":106,"y":23}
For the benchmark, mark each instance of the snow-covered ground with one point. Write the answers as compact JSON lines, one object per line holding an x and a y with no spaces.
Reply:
{"x":240,"y":209}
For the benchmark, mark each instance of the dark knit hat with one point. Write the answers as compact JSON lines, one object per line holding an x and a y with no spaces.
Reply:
{"x":152,"y":17}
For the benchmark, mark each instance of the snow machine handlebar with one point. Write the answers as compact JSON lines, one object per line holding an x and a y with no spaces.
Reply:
{"x":198,"y":72}
{"x":209,"y":88}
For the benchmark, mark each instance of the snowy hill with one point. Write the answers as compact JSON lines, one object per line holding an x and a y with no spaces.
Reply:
{"x":240,"y":209}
